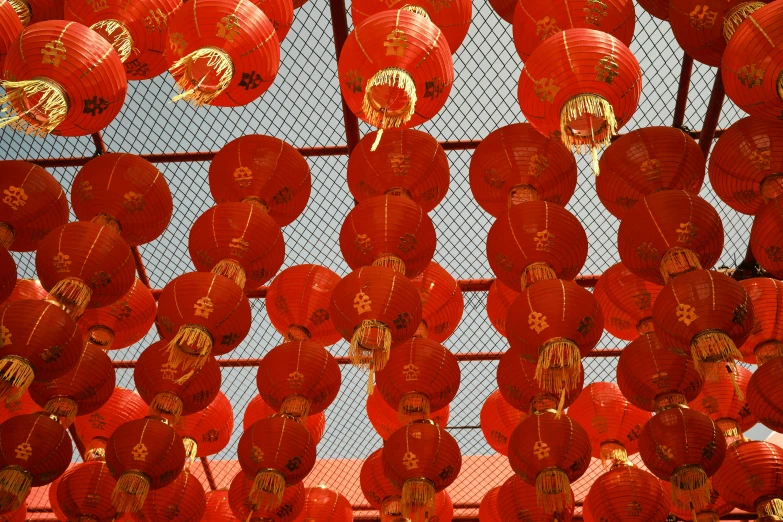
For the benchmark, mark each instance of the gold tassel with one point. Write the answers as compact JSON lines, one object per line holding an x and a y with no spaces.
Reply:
{"x":16,"y":375}
{"x":377,"y":113}
{"x":677,"y":261}
{"x":7,"y":235}
{"x":297,"y":333}
{"x":731,"y":430}
{"x":105,"y":220}
{"x":191,"y":449}
{"x":221,"y":66}
{"x":377,"y":141}
{"x":371,"y":381}
{"x":665,"y":401}
{"x":614,"y":452}
{"x":22,"y":11}
{"x":415,"y":9}
{"x":553,"y":491}
{"x":370,"y":345}
{"x":767,"y":351}
{"x":73,"y":294}
{"x":267,"y":490}
{"x":772,"y":507}
{"x":391,"y":509}
{"x":232,"y":270}
{"x":64,"y":408}
{"x":711,"y":350}
{"x":737,"y":15}
{"x":559,"y":365}
{"x":95,"y":454}
{"x":51,"y":107}
{"x":101,"y":336}
{"x":413,"y":405}
{"x":190,"y":336}
{"x":645,"y":326}
{"x":122,"y":41}
{"x":418,"y":499}
{"x":130,"y":492}
{"x":168,"y":404}
{"x":690,"y":488}
{"x":390,"y":261}
{"x":296,"y":406}
{"x":592,"y":105}
{"x":15,"y":484}
{"x":535,"y":272}
{"x":780,"y":86}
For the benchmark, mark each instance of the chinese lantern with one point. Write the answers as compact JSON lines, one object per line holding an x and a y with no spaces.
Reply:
{"x":10,"y":27}
{"x":504,"y":9}
{"x":766,"y":238}
{"x":684,"y":447}
{"x":745,"y":164}
{"x":555,"y":323}
{"x":34,"y":450}
{"x":27,"y":289}
{"x":34,"y":11}
{"x":238,"y":241}
{"x":516,"y":164}
{"x":380,"y":493}
{"x":766,"y":338}
{"x":21,"y":406}
{"x":499,"y":300}
{"x":58,"y":513}
{"x":181,"y":501}
{"x":442,"y":303}
{"x":610,"y":420}
{"x":298,"y":378}
{"x":750,"y":478}
{"x":224,"y":53}
{"x":765,"y":394}
{"x":371,"y":307}
{"x":29,"y":353}
{"x":582,"y":97}
{"x":124,"y":192}
{"x":626,"y":491}
{"x":498,"y":420}
{"x":33,"y":204}
{"x":535,"y":242}
{"x":239,"y":498}
{"x":202,"y":314}
{"x":94,"y":430}
{"x":7,"y":275}
{"x":709,"y":513}
{"x":720,"y":401}
{"x":645,"y":161}
{"x":657,"y":8}
{"x":488,"y":509}
{"x":208,"y":431}
{"x":385,"y":420}
{"x":407,"y":163}
{"x":444,"y":507}
{"x":669,"y":233}
{"x":170,"y":391}
{"x":84,"y":492}
{"x":421,"y":376}
{"x":395,"y":69}
{"x":263,"y":171}
{"x":62,"y":79}
{"x":421,"y":459}
{"x":83,"y":264}
{"x":516,"y":500}
{"x":626,"y":301}
{"x":257,"y":409}
{"x":218,"y":509}
{"x":275,"y":453}
{"x":297,"y":302}
{"x":325,"y":505}
{"x":142,"y":455}
{"x":17,"y":515}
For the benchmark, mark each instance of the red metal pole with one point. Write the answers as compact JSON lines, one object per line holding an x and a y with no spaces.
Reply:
{"x":713,"y":115}
{"x":208,"y":473}
{"x":100,"y":146}
{"x":682,"y":91}
{"x":340,"y":30}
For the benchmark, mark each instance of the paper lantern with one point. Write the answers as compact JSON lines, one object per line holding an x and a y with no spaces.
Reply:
{"x":499,"y":299}
{"x":750,"y":478}
{"x":325,"y":505}
{"x":626,"y":301}
{"x":516,"y":500}
{"x":766,"y":338}
{"x":669,"y":233}
{"x":62,"y":79}
{"x":627,"y":492}
{"x":239,"y":241}
{"x":766,"y":238}
{"x":516,"y":164}
{"x":218,"y":508}
{"x":21,"y":406}
{"x":709,"y":513}
{"x":17,"y":515}
{"x":385,"y":420}
{"x":504,"y":9}
{"x":84,"y":491}
{"x":378,"y":490}
{"x":33,"y":204}
{"x":257,"y":409}
{"x":245,"y":509}
{"x":442,"y":303}
{"x":208,"y":431}
{"x":724,"y":402}
{"x":27,"y":289}
{"x":264,"y":171}
{"x":498,"y":420}
{"x":657,"y":8}
{"x":765,"y":394}
{"x":298,"y":378}
{"x":142,"y":455}
{"x":224,"y":53}
{"x":34,"y":11}
{"x":7,"y":275}
{"x":407,"y":163}
{"x":444,"y":508}
{"x":488,"y":509}
{"x":280,"y":13}
{"x":95,"y":429}
{"x":182,"y":500}
{"x":645,"y":161}
{"x":534,"y":242}
{"x":10,"y":27}
{"x":202,"y":314}
{"x":582,"y":96}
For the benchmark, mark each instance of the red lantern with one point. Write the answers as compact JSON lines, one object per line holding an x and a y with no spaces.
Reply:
{"x":751,"y":479}
{"x":21,"y":406}
{"x":724,"y":402}
{"x":766,"y":338}
{"x":626,"y":301}
{"x":520,"y":388}
{"x":181,"y":501}
{"x":264,"y":171}
{"x":444,"y":508}
{"x":535,"y":242}
{"x":709,"y":513}
{"x":10,"y":27}
{"x":409,"y":162}
{"x":657,"y":8}
{"x":372,"y":307}
{"x":218,"y":509}
{"x":516,"y":164}
{"x":380,"y":493}
{"x":516,"y":500}
{"x":17,"y":515}
{"x":62,"y":79}
{"x":626,"y":492}
{"x":298,"y":378}
{"x":84,"y":492}
{"x":499,"y":300}
{"x":34,"y":11}
{"x":215,"y":61}
{"x":257,"y":409}
{"x":208,"y":431}
{"x":239,"y":241}
{"x":766,"y":238}
{"x":27,"y":289}
{"x":31,"y":351}
{"x":94,"y":430}
{"x":34,"y":450}
{"x":7,"y":275}
{"x":385,"y":420}
{"x":765,"y":394}
{"x":580,"y":97}
{"x":488,"y":509}
{"x":275,"y":453}
{"x":33,"y":205}
{"x":84,"y":264}
{"x":142,"y":455}
{"x":399,"y":82}
{"x":421,"y":376}
{"x":646,"y":161}
{"x":239,"y":498}
{"x":498,"y":421}
{"x":441,"y":300}
{"x":669,"y":233}
{"x":202,"y":314}
{"x":504,"y":9}
{"x":422,"y":459}
{"x":325,"y":505}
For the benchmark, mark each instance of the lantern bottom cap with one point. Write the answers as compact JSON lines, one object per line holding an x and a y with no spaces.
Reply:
{"x":190,"y":348}
{"x":22,"y":11}
{"x":211,"y":63}
{"x":418,"y":499}
{"x":231,"y":269}
{"x":553,"y":491}
{"x":267,"y":490}
{"x":690,"y":488}
{"x":559,"y":366}
{"x":16,"y":376}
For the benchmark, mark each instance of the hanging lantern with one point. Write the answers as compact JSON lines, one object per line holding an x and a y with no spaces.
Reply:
{"x":94,"y":430}
{"x":239,"y":498}
{"x":142,"y":455}
{"x":21,"y":406}
{"x":627,"y":492}
{"x":371,"y":308}
{"x":421,"y":376}
{"x":765,"y":394}
{"x":444,"y":508}
{"x":378,"y":490}
{"x":218,"y":509}
{"x":257,"y":409}
{"x":515,"y":164}
{"x":488,"y":509}
{"x":325,"y":505}
{"x":181,"y":501}
{"x":29,"y":353}
{"x":33,"y":205}
{"x":421,"y":459}
{"x":725,"y":406}
{"x":396,"y":70}
{"x":516,"y":500}
{"x":535,"y":242}
{"x":264,"y":171}
{"x":550,"y":452}
{"x":645,"y":161}
{"x":712,"y":512}
{"x":34,"y":11}
{"x":610,"y":420}
{"x":498,"y":420}
{"x":202,"y":314}
{"x":27,"y":289}
{"x":10,"y":27}
{"x":766,"y":338}
{"x":669,"y":233}
{"x":766,"y":238}
{"x":224,"y":53}
{"x":84,"y":492}
{"x":442,"y":303}
{"x":626,"y":301}
{"x":385,"y":420}
{"x":208,"y":431}
{"x":750,"y":478}
{"x":17,"y":515}
{"x":62,"y":79}
{"x":58,"y":513}
{"x":684,"y":447}
{"x":298,"y":378}
{"x":407,"y":163}
{"x":239,"y":241}
{"x":7,"y":275}
{"x":499,"y":300}
{"x":582,"y":98}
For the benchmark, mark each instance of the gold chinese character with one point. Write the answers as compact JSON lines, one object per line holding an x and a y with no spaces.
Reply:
{"x":243,"y":176}
{"x":295,"y":379}
{"x":155,"y":21}
{"x":5,"y":336}
{"x":750,"y":76}
{"x":62,"y":262}
{"x":537,"y":321}
{"x":545,"y":89}
{"x":595,"y":12}
{"x":410,"y":461}
{"x":53,"y":53}
{"x":541,"y":449}
{"x":178,"y":43}
{"x":23,"y":451}
{"x":411,"y":372}
{"x":362,"y":302}
{"x":140,"y":452}
{"x":133,"y":202}
{"x":399,"y":163}
{"x":606,"y":70}
{"x":228,"y":27}
{"x":702,"y":18}
{"x":546,"y":27}
{"x":238,"y":246}
{"x":14,"y":197}
{"x":396,"y":44}
{"x":203,"y":307}
{"x":686,"y":313}
{"x":544,"y":240}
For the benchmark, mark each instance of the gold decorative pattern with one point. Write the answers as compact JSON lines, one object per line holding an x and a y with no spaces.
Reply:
{"x":53,"y":53}
{"x":23,"y":451}
{"x":545,"y":89}
{"x":686,"y":313}
{"x":537,"y":322}
{"x":396,"y":43}
{"x":411,"y":372}
{"x":203,"y":307}
{"x":62,"y":262}
{"x":362,"y":302}
{"x":228,"y":27}
{"x":703,"y":18}
{"x":541,"y":449}
{"x":751,"y":75}
{"x":15,"y":197}
{"x":140,"y":452}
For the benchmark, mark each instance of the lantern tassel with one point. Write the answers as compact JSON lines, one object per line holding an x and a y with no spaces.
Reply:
{"x":553,"y":491}
{"x":391,"y":510}
{"x":677,"y":261}
{"x":130,"y":492}
{"x":592,"y":105}
{"x":690,"y":487}
{"x":770,"y":508}
{"x":737,"y":15}
{"x":535,"y":272}
{"x":220,"y":65}
{"x":711,"y":349}
{"x":418,"y":499}
{"x":64,"y":408}
{"x":296,"y":406}
{"x":767,"y":351}
{"x":105,"y":220}
{"x":390,"y":261}
{"x":15,"y":484}
{"x":16,"y":375}
{"x":559,"y":365}
{"x":73,"y":294}
{"x":413,"y":405}
{"x":613,"y":452}
{"x":166,"y":404}
{"x":232,"y":270}
{"x":51,"y":103}
{"x":267,"y":490}
{"x":371,"y":381}
{"x":377,"y":141}
{"x":371,"y":336}
{"x":190,"y":336}
{"x":122,"y":41}
{"x":377,"y":115}
{"x":22,"y":11}
{"x":191,"y":449}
